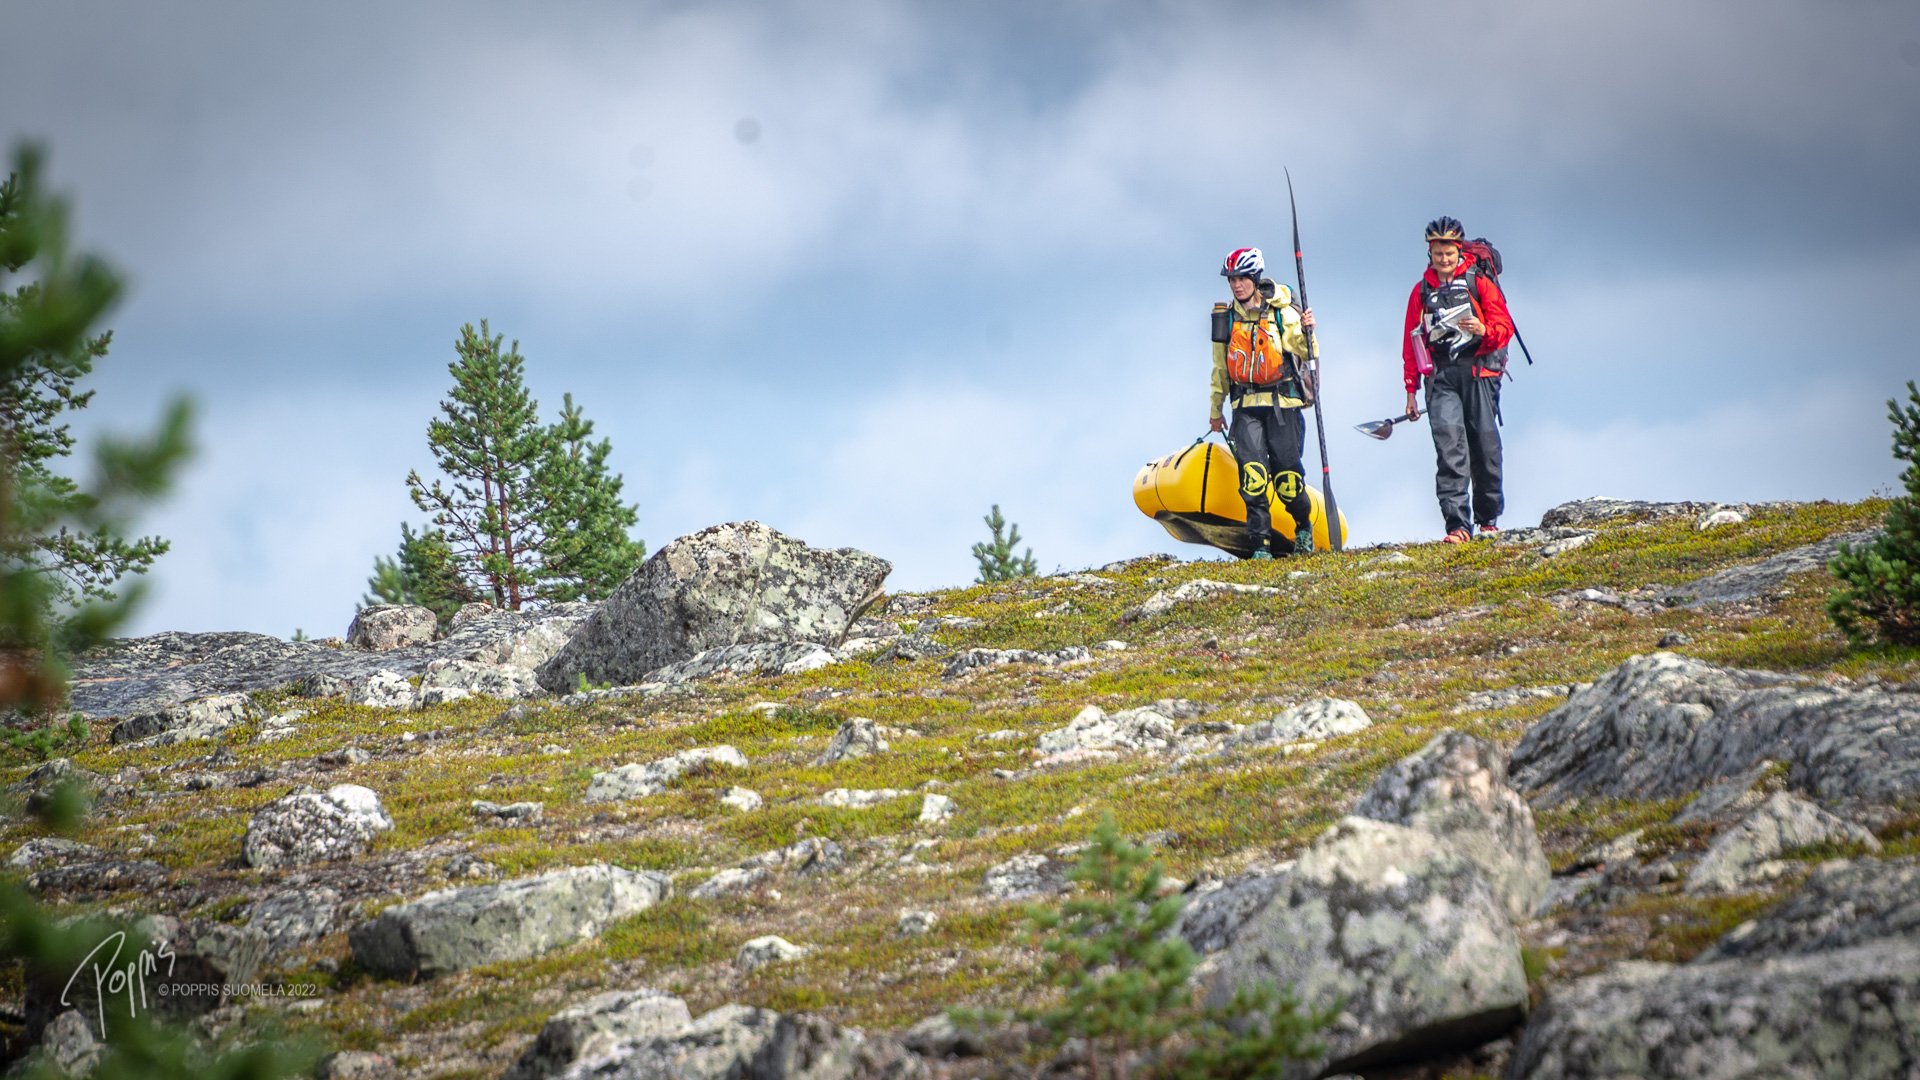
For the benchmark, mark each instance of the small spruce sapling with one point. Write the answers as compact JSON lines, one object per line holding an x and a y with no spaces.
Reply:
{"x":996,"y":558}
{"x":1880,"y":581}
{"x":1123,"y":977}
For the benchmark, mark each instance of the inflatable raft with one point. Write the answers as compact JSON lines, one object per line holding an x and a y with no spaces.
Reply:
{"x":1195,"y":495}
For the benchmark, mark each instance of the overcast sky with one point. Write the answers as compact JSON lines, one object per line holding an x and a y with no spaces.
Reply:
{"x":862,"y":270}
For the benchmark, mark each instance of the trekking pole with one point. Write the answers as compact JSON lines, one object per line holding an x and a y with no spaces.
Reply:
{"x":1313,"y":359}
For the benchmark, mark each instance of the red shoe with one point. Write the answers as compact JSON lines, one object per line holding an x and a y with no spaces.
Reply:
{"x":1489,"y":531}
{"x":1457,"y":536}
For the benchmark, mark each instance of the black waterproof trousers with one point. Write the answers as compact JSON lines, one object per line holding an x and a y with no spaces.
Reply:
{"x":1462,"y":410}
{"x":1268,"y":444}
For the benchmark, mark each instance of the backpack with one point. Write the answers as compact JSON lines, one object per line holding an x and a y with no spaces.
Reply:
{"x":1486,"y":259}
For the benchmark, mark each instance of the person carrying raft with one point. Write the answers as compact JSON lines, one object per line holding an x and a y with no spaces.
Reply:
{"x":1456,"y":333}
{"x":1257,"y":347}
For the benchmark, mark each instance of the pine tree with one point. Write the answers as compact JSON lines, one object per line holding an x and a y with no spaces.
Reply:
{"x":424,"y":572}
{"x":490,"y":443}
{"x":996,"y":558}
{"x":588,"y":551}
{"x":63,"y":547}
{"x":1880,"y":581}
{"x":47,"y":343}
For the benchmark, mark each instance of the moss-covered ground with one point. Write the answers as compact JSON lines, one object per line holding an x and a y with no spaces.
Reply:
{"x":1407,"y":641}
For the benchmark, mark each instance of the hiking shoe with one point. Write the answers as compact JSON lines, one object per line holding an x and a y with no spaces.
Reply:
{"x":1457,"y":536}
{"x":1262,"y":553}
{"x":1489,"y":531}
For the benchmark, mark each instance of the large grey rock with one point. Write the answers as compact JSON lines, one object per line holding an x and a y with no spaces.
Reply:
{"x":806,"y":1046}
{"x":1314,"y":720}
{"x":96,"y":876}
{"x":38,"y":787}
{"x":455,"y":929}
{"x":1851,"y":1013}
{"x":718,"y":1046}
{"x":515,"y":639}
{"x":199,"y":720}
{"x":1745,"y":854}
{"x":1456,"y":789}
{"x":1661,"y":726}
{"x":492,"y":680}
{"x":1841,"y":905}
{"x":734,"y":584}
{"x":391,"y":626}
{"x":296,"y":916}
{"x":40,"y":850}
{"x":309,"y":827}
{"x":640,"y":781}
{"x":596,"y":1025}
{"x":758,"y":658}
{"x":1764,"y":577}
{"x":1395,"y":927}
{"x":1598,"y":509}
{"x":1214,"y":912}
{"x":137,"y":676}
{"x":67,"y":1047}
{"x":383,"y":690}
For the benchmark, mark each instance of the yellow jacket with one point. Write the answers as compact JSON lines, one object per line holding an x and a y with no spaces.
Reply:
{"x":1290,"y":338}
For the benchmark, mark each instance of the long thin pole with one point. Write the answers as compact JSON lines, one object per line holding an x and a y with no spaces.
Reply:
{"x":1319,"y":389}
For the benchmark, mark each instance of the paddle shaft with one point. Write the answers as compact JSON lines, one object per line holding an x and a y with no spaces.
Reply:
{"x":1319,"y":389}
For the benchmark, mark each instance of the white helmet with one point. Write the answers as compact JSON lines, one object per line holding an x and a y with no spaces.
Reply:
{"x":1245,"y":262}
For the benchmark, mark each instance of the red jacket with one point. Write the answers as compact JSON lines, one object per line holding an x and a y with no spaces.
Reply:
{"x":1488,"y":305}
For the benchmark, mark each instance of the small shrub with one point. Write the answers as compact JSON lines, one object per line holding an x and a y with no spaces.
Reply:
{"x":1124,"y":979}
{"x":54,"y":738}
{"x":1880,"y":582}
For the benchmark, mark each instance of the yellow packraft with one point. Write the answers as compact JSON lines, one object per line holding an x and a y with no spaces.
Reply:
{"x":1195,"y":494}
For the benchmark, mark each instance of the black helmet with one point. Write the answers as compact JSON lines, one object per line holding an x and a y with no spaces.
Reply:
{"x":1448,"y":229}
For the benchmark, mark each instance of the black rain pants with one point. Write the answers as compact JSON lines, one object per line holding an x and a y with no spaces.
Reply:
{"x":1463,"y":409}
{"x":1268,"y":443}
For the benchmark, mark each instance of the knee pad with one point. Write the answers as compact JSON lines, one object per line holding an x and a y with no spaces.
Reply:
{"x":1289,"y":485}
{"x":1253,"y":479}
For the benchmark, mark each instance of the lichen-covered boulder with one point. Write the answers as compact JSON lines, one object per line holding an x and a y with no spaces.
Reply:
{"x":720,"y":1045}
{"x":1748,"y":853}
{"x":455,"y":929}
{"x":1848,"y":1014}
{"x":1841,"y":905}
{"x":308,"y":826}
{"x":193,"y":721}
{"x":733,"y":584}
{"x":596,"y":1024}
{"x":1661,"y":726}
{"x":391,"y":626}
{"x":1456,"y":789}
{"x":1396,"y":928}
{"x":1321,"y":719}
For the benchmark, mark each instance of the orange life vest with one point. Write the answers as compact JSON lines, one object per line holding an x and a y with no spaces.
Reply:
{"x":1254,"y":356}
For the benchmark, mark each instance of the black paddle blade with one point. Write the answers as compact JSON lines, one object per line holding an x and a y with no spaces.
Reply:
{"x":1379,"y":429}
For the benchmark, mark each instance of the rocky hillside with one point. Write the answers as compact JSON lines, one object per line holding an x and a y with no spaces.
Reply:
{"x":1606,"y":797}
